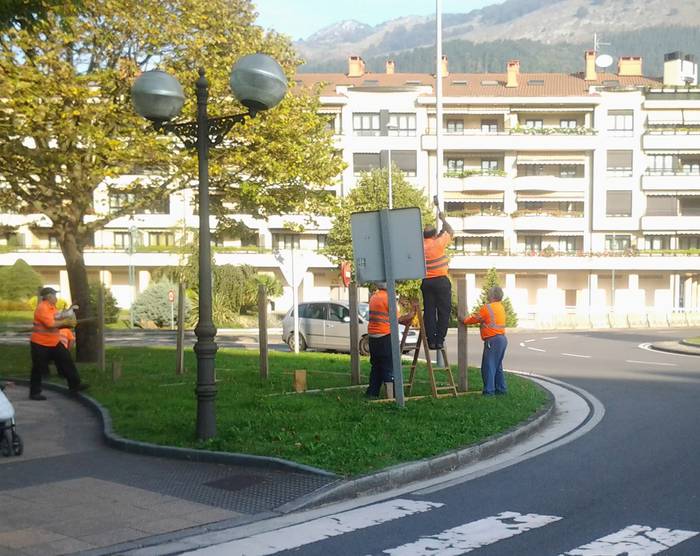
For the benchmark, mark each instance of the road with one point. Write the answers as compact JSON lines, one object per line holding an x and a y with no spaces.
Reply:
{"x":629,"y":486}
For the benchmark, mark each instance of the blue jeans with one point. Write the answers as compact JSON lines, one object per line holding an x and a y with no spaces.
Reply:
{"x":492,"y":365}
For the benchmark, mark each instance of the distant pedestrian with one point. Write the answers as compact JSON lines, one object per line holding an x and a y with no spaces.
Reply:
{"x":48,"y":344}
{"x":436,"y":286}
{"x":491,"y":318}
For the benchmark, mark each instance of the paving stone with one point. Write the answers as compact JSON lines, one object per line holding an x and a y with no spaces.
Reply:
{"x":62,"y":546}
{"x":27,"y":537}
{"x":113,"y":536}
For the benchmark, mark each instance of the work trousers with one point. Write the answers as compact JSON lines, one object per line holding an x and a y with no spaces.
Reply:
{"x":437,"y":303}
{"x":41,"y":356}
{"x":492,"y":365}
{"x":382,"y":364}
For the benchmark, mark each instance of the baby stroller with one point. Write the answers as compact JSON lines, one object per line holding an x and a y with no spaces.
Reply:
{"x":10,"y":441}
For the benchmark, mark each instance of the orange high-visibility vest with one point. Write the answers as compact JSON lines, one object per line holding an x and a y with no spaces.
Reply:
{"x":379,"y":314}
{"x":436,"y":260}
{"x":491,"y":319}
{"x":67,"y":337}
{"x":44,"y":332}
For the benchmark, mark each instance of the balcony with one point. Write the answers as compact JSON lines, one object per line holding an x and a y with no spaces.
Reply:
{"x":485,"y":180}
{"x":548,"y":220}
{"x":466,"y":220}
{"x":673,"y":139}
{"x":671,"y":223}
{"x":671,"y":180}
{"x":546,"y":139}
{"x":550,"y":183}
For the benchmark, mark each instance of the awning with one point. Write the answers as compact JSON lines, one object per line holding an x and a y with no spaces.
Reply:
{"x":472,"y":197}
{"x":562,"y":109}
{"x":684,"y":193}
{"x":665,"y":117}
{"x":560,"y":159}
{"x":559,"y":233}
{"x":494,"y":233}
{"x":574,"y":196}
{"x":449,"y":111}
{"x":659,"y":233}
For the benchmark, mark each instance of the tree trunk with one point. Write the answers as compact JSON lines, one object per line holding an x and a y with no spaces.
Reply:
{"x":86,"y":332}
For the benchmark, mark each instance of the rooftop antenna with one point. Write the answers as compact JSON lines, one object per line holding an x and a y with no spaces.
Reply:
{"x":603,"y":60}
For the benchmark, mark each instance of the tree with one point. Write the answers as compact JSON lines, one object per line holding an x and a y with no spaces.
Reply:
{"x":490,"y":281}
{"x":67,"y":127}
{"x":372,"y":193}
{"x":19,"y":281}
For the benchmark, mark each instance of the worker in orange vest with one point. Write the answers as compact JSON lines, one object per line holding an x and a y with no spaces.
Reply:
{"x":436,"y":286}
{"x":491,"y":318}
{"x":47,"y":345}
{"x":379,"y":331}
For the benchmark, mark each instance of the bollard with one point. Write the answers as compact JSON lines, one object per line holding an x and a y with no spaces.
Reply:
{"x":300,"y":381}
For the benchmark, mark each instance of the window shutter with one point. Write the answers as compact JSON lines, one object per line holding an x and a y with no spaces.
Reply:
{"x":662,"y":206}
{"x":618,"y":203}
{"x":364,"y":162}
{"x":619,"y":159}
{"x":405,"y":160}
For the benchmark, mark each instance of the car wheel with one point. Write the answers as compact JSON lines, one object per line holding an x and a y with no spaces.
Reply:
{"x":364,"y":345}
{"x":302,"y":342}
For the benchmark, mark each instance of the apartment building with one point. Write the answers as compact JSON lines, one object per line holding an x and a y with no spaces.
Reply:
{"x":582,"y":190}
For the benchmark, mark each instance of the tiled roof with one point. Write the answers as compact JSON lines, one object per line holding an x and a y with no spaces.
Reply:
{"x":479,"y":84}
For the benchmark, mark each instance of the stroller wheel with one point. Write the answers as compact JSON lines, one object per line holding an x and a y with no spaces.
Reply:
{"x":17,"y":444}
{"x":5,"y":443}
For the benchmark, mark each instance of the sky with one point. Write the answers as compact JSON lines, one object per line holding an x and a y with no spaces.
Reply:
{"x":301,"y":18}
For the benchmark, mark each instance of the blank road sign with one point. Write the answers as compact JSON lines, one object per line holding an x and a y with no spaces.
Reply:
{"x":406,"y":236}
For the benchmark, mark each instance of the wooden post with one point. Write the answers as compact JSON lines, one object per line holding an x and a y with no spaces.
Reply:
{"x":354,"y":335}
{"x":462,"y":310}
{"x":180,"y":350}
{"x":100,"y":327}
{"x":116,"y":370}
{"x":262,"y":331}
{"x":300,"y":380}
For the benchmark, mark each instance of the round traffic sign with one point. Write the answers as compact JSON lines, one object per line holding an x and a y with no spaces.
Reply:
{"x":171,"y":296}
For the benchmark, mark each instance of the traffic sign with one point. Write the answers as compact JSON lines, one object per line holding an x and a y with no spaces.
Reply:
{"x":171,"y":296}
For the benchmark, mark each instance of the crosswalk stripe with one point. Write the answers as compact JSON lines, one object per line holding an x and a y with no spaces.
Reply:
{"x":467,"y":537}
{"x":635,"y":540}
{"x":319,"y":529}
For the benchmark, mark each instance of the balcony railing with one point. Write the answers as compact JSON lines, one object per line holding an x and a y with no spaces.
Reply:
{"x":474,"y":212}
{"x":673,"y":130}
{"x":548,"y":212}
{"x":472,"y":173}
{"x":672,"y":171}
{"x":519,"y":131}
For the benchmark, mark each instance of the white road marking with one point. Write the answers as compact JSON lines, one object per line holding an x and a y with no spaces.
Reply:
{"x":647,"y":346}
{"x":522,"y":344}
{"x":577,"y":355}
{"x":650,"y":363}
{"x":635,"y":540}
{"x":319,"y":529}
{"x":550,"y":338}
{"x":531,"y":340}
{"x":535,"y":349}
{"x":467,"y":537}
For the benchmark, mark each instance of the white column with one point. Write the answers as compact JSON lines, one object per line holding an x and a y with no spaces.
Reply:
{"x":472,"y":292}
{"x":633,"y":282}
{"x":64,"y":285}
{"x":695,"y":294}
{"x":551,"y":281}
{"x":106,"y":278}
{"x":510,"y":281}
{"x":144,"y":280}
{"x":688,"y":292}
{"x":675,"y":287}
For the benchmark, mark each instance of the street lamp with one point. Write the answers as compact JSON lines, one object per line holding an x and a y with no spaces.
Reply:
{"x":259,"y":83}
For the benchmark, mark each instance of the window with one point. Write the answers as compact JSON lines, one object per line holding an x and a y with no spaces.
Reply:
{"x":569,"y":171}
{"x":285,"y":241}
{"x":459,"y":244}
{"x":689,"y":206}
{"x":661,"y":164}
{"x":313,"y":311}
{"x":535,"y":82}
{"x":491,"y":244}
{"x":532,"y":243}
{"x":662,"y":206}
{"x":534,"y":124}
{"x":404,"y":124}
{"x":489,"y":166}
{"x":656,"y":243}
{"x":406,"y":161}
{"x":321,"y":240}
{"x":690,"y":167}
{"x":334,"y":123}
{"x":532,"y":169}
{"x":161,"y":239}
{"x":12,"y":239}
{"x":618,"y":203}
{"x":570,"y":124}
{"x":489,"y":126}
{"x":689,"y":242}
{"x":338,"y":313}
{"x":569,"y":244}
{"x":570,"y":298}
{"x":614,"y":242}
{"x":366,"y":124}
{"x":159,"y":206}
{"x":119,"y":200}
{"x":455,"y":165}
{"x":53,"y":242}
{"x":621,"y":123}
{"x":120,"y":240}
{"x":455,"y":126}
{"x":365,"y":162}
{"x":619,"y":164}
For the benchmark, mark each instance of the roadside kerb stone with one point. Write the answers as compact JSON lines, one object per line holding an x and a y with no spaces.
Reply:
{"x":682,"y":347}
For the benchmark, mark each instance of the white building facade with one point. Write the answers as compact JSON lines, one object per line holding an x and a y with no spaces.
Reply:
{"x":583,"y":191}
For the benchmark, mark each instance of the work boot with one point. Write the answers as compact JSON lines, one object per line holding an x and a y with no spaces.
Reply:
{"x":37,"y":397}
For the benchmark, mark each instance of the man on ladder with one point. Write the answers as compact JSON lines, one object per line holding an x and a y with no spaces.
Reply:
{"x":436,"y":286}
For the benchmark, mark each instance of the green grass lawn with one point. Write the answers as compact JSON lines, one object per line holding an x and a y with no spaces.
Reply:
{"x":695,"y":341}
{"x":336,"y":430}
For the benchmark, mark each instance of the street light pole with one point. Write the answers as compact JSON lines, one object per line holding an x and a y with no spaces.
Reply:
{"x":132,"y":274}
{"x":259,"y":83}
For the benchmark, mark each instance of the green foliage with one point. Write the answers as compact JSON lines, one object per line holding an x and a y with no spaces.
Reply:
{"x":490,"y":281}
{"x":111,"y":310}
{"x":153,"y":305}
{"x":19,"y":281}
{"x":372,"y":193}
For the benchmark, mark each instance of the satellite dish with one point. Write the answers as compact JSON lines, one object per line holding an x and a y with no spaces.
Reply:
{"x":604,"y":61}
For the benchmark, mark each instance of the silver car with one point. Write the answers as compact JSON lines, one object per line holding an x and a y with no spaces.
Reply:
{"x":325,"y":325}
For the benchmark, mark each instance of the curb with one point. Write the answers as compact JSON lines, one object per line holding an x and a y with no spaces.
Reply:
{"x":669,"y":347}
{"x":204,"y":456}
{"x":405,"y":473}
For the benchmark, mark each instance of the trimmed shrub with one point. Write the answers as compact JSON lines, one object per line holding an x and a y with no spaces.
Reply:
{"x":19,"y":281}
{"x":111,"y":308}
{"x":152,"y":305}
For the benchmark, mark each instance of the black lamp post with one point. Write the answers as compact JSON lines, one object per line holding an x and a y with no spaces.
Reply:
{"x":259,"y":83}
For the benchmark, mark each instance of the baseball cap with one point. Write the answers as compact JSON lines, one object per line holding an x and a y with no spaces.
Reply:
{"x":46,"y":291}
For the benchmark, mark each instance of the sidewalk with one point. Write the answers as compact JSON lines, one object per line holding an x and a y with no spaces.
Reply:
{"x":71,"y":493}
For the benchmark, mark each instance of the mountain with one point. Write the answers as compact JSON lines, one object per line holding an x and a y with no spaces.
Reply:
{"x":536,"y":23}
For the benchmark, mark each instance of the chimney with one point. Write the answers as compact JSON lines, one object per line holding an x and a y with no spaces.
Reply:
{"x":356,"y":66}
{"x":590,"y":74}
{"x":445,"y":71}
{"x":513,"y":71}
{"x":680,"y":70}
{"x":629,"y":65}
{"x":390,"y":67}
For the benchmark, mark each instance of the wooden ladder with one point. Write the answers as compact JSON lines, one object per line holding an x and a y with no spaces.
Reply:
{"x":423,"y":343}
